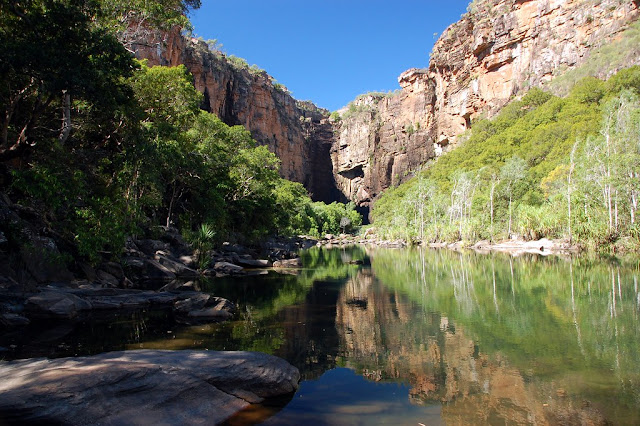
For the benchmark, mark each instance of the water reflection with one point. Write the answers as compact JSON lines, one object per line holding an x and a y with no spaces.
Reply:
{"x":496,"y":339}
{"x":441,"y":336}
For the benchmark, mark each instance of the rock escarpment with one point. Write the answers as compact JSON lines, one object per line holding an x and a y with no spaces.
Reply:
{"x":497,"y":50}
{"x":298,"y":132}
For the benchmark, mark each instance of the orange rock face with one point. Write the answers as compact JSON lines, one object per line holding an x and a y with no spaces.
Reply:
{"x":495,"y":52}
{"x":297,"y":132}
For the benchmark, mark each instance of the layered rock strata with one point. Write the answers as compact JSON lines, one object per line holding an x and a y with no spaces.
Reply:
{"x":298,"y":132}
{"x":497,"y":50}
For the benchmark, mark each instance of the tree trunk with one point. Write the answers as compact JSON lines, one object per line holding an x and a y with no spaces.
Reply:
{"x":66,"y":117}
{"x":509,"y":232}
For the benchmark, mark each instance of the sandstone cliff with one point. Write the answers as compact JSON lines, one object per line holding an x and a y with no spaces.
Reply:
{"x":297,"y":132}
{"x":496,"y":51}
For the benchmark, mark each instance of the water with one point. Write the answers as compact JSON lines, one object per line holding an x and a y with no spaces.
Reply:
{"x":414,"y":336}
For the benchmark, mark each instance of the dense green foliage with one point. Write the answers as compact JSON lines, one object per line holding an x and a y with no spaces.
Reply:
{"x":545,"y":166}
{"x":106,"y":146}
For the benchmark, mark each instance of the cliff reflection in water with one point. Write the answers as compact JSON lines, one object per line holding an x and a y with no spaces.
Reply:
{"x":437,"y":335}
{"x":495,"y":339}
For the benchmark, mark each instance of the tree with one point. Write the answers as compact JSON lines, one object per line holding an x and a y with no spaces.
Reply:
{"x":513,"y":171}
{"x":54,"y":54}
{"x":136,"y":21}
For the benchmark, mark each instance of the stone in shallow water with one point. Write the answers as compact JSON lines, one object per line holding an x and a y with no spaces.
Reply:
{"x":141,"y":387}
{"x":288,"y":263}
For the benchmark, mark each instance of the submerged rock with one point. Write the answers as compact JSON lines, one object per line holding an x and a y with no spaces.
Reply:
{"x":141,"y":387}
{"x":203,"y":307}
{"x":288,"y":263}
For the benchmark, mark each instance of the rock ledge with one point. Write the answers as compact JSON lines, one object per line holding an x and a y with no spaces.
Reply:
{"x":141,"y":387}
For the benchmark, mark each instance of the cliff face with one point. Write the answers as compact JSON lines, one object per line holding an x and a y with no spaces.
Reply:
{"x":495,"y":52}
{"x":297,"y":132}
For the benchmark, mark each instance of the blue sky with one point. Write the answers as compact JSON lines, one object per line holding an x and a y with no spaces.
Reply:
{"x":329,"y":51}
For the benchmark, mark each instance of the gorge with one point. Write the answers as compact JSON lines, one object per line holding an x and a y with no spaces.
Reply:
{"x":493,"y":54}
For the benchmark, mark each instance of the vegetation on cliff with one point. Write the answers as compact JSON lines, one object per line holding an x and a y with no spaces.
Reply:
{"x":545,"y":166}
{"x":103,"y":146}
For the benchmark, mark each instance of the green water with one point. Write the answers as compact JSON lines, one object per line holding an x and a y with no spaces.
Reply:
{"x":414,"y":336}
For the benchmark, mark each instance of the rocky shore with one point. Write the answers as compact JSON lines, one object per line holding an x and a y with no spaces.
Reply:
{"x":141,"y":387}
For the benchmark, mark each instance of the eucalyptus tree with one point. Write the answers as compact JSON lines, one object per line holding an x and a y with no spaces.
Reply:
{"x":513,"y":171}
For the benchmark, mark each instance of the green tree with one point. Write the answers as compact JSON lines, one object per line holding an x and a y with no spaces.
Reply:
{"x":511,"y":173}
{"x":56,"y":58}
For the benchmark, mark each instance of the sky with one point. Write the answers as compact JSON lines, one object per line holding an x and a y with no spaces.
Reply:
{"x":329,"y":51}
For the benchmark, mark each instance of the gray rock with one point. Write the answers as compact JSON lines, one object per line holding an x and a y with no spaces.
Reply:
{"x":68,"y":303}
{"x":197,"y":301}
{"x":107,"y":279}
{"x":134,"y":262}
{"x":43,"y":260}
{"x":155,"y":270}
{"x":178,"y":268}
{"x":88,"y":271}
{"x":114,"y":269}
{"x":13,"y":320}
{"x":56,"y":304}
{"x":204,"y":307}
{"x":141,"y":387}
{"x":288,"y":263}
{"x":188,"y":260}
{"x":226,"y":267}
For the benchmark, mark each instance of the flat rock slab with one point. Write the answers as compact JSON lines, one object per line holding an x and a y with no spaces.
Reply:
{"x":69,"y":303}
{"x":141,"y":387}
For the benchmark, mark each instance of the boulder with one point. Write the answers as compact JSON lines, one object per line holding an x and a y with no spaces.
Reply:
{"x":197,"y":301}
{"x":114,"y":269}
{"x":42,"y":258}
{"x":188,"y":260}
{"x":13,"y":320}
{"x":107,"y":279}
{"x":154,"y":270}
{"x":68,"y":303}
{"x":56,"y":304}
{"x":288,"y":263}
{"x":141,"y":387}
{"x":227,"y":268}
{"x":213,"y":313}
{"x":150,"y":247}
{"x":177,"y":268}
{"x":204,"y":307}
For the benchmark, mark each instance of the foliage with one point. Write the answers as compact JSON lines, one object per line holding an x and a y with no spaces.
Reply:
{"x":202,"y":241}
{"x":544,"y":166}
{"x":105,"y":146}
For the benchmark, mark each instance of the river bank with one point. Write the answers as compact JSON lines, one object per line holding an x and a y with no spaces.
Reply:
{"x":514,"y":247}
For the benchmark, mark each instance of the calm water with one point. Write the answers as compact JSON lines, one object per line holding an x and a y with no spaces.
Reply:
{"x":414,"y":336}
